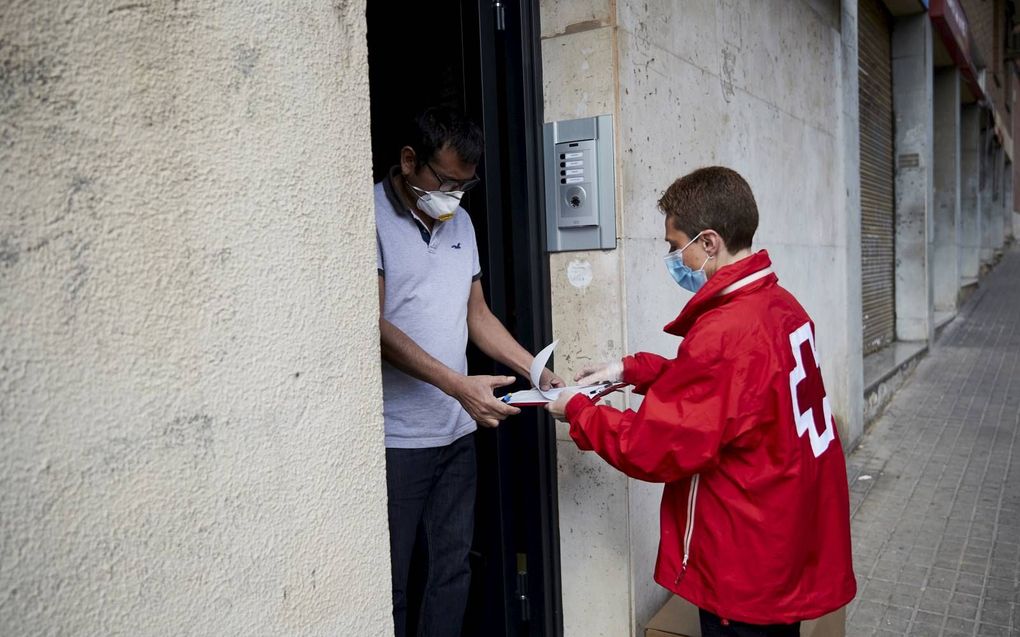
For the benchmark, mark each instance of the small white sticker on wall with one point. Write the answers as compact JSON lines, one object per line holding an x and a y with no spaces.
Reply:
{"x":579,"y":273}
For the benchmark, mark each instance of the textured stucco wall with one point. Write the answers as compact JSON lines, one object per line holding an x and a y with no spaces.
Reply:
{"x":765,"y":87}
{"x":189,"y":394}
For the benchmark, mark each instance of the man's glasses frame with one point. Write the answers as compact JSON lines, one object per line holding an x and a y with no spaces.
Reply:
{"x":453,"y":185}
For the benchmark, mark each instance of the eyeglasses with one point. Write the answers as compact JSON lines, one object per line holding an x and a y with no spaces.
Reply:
{"x":451,"y":185}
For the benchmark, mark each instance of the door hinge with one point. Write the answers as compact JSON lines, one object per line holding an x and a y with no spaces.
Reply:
{"x":500,"y":9}
{"x":522,"y":587}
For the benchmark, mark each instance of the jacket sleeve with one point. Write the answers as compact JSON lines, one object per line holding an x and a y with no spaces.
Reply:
{"x":689,"y":413}
{"x":642,"y":369}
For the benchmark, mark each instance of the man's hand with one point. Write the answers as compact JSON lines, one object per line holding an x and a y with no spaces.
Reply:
{"x":602,"y":372}
{"x":474,"y":393}
{"x":550,"y":380}
{"x":557,"y":408}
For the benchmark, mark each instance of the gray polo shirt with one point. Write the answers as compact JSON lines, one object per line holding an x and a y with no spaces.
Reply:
{"x":428,"y":280}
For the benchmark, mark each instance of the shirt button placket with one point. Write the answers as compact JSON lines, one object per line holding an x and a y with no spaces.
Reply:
{"x":434,"y":241}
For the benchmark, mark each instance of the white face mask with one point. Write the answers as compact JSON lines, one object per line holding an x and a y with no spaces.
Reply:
{"x":437,"y":204}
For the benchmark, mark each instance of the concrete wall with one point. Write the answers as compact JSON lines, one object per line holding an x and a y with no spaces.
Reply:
{"x":1007,"y":200}
{"x":579,"y":53}
{"x":849,"y":378}
{"x":945,"y":266}
{"x":1012,"y":227}
{"x":1003,"y":209}
{"x":914,"y":185}
{"x":1015,"y":205}
{"x":768,"y":88}
{"x":189,"y":388}
{"x":970,"y":194}
{"x":989,"y":226}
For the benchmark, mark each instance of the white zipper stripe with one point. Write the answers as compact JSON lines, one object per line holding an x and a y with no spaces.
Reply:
{"x":692,"y":502}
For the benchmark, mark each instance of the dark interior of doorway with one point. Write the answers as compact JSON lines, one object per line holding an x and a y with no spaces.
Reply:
{"x":463,"y":53}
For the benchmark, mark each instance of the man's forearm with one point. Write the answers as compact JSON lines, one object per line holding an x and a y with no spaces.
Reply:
{"x":489,"y":334}
{"x":399,"y":350}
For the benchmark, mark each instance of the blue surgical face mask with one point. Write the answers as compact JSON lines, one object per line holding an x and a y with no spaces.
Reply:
{"x":688,"y":279}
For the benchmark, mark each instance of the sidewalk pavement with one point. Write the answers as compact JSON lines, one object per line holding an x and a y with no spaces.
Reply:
{"x":935,"y":483}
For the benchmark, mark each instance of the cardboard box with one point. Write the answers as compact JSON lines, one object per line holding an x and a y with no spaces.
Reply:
{"x":679,"y":618}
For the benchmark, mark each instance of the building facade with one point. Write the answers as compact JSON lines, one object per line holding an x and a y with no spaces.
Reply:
{"x":191,"y":395}
{"x":769,"y":89}
{"x":876,"y":137}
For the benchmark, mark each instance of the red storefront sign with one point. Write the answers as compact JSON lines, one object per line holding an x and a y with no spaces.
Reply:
{"x":950,"y":21}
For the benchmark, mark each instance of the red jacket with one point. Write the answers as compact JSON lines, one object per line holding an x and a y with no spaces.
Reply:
{"x":755,"y":515}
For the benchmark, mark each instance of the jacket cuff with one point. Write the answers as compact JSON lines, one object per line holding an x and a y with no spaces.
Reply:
{"x":573,"y":410}
{"x":627,"y":375}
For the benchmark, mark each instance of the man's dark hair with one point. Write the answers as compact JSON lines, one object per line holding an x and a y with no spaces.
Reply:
{"x":713,"y":198}
{"x":441,"y":125}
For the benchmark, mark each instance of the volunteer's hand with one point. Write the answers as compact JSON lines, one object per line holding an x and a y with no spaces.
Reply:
{"x":474,"y":393}
{"x":550,"y":380}
{"x":598,"y":373}
{"x":557,"y":408}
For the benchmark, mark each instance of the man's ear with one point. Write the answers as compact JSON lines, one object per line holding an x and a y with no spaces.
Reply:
{"x":408,"y":161}
{"x":712,"y":242}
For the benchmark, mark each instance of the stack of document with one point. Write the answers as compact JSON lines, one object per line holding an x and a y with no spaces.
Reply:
{"x":538,"y":396}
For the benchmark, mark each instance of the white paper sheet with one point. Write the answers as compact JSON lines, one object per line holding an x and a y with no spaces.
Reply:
{"x":538,"y":365}
{"x":536,"y":396}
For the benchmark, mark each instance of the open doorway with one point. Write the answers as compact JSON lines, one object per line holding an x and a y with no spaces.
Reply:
{"x":483,"y":58}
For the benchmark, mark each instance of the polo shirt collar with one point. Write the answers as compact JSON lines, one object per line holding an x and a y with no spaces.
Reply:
{"x":398,"y":205}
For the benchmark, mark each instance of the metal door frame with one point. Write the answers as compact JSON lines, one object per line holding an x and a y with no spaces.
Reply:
{"x":511,"y":115}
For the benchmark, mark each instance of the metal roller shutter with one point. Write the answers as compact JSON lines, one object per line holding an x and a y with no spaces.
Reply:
{"x":877,"y":175}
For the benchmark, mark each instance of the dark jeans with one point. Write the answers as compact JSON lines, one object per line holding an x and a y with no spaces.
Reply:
{"x":432,"y":494}
{"x":712,"y":626}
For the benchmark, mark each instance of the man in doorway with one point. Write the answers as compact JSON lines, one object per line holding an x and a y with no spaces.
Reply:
{"x":755,"y":527}
{"x":431,"y":302}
